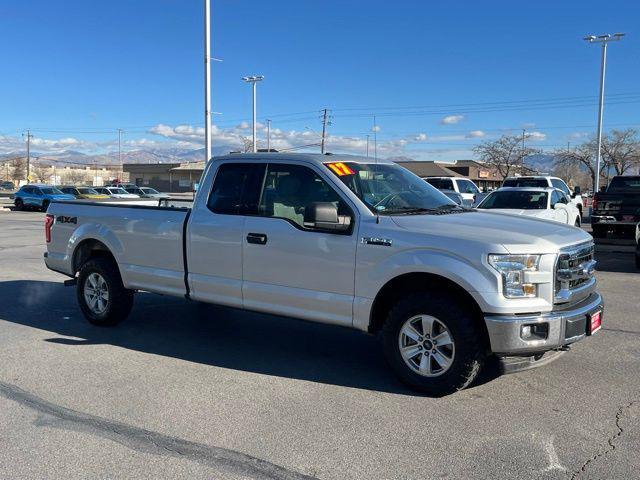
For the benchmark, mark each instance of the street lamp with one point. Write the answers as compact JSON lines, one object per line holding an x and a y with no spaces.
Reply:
{"x":604,"y":40}
{"x":253,"y":80}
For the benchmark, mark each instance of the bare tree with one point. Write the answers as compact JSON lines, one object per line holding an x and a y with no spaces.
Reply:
{"x":39,"y":172}
{"x":75,"y":176}
{"x":247,"y":144}
{"x":505,"y":155}
{"x":583,"y":157}
{"x":621,"y":150}
{"x":19,"y":168}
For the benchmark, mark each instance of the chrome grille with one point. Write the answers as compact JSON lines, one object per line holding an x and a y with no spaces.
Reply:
{"x":574,"y":272}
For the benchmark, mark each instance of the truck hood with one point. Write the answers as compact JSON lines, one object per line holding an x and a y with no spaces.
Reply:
{"x":517,"y":211}
{"x":517,"y":234}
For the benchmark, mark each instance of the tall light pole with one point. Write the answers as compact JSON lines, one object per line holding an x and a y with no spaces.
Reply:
{"x":207,"y":79}
{"x":253,"y":80}
{"x":604,"y":40}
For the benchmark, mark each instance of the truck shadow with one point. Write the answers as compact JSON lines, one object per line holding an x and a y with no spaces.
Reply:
{"x":212,"y":335}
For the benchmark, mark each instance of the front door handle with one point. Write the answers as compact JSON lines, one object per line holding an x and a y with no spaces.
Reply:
{"x":257,"y":238}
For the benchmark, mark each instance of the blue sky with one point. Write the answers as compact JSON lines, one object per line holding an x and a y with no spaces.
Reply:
{"x":440,"y":76}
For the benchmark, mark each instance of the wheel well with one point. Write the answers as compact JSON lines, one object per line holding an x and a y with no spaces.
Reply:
{"x":87,"y":249}
{"x":411,"y":282}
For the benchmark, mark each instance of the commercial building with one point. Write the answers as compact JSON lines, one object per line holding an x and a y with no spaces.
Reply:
{"x":165,"y":177}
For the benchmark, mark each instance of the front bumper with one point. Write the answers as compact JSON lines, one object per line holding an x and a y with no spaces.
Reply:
{"x":564,"y":327}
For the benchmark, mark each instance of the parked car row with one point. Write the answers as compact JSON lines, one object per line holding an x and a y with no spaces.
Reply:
{"x":544,"y":197}
{"x":40,"y":196}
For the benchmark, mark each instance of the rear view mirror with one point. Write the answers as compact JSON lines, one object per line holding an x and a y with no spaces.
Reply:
{"x":324,"y":216}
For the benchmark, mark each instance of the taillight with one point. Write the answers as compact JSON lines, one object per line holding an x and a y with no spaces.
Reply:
{"x":48,"y":223}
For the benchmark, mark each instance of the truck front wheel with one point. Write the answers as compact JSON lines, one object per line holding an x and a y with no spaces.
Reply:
{"x":101,"y":295}
{"x":433,"y":343}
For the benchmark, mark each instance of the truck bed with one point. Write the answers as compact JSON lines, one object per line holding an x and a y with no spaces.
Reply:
{"x":146,"y":240}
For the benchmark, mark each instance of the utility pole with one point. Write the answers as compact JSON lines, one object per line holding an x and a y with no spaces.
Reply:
{"x":268,"y":135}
{"x":253,"y":80}
{"x":375,"y":139}
{"x":325,"y":122}
{"x":604,"y":40}
{"x":120,"y":153}
{"x":28,"y":136}
{"x":522,"y":159}
{"x":367,"y":146}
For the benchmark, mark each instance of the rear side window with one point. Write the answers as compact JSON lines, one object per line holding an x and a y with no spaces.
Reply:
{"x":466,"y":186}
{"x":441,"y":183}
{"x":236,"y":189}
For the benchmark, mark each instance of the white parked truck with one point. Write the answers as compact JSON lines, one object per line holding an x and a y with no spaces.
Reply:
{"x":347,"y":241}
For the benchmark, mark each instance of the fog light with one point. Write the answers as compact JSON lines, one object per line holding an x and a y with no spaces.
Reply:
{"x":534,"y":331}
{"x":529,"y":290}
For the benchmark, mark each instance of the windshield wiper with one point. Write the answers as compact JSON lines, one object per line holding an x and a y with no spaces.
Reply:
{"x":409,"y":210}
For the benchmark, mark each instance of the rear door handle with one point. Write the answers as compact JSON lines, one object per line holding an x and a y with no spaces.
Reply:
{"x":257,"y":238}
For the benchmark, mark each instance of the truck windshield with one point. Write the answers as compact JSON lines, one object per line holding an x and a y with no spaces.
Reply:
{"x":526,"y":182}
{"x":390,"y":189}
{"x":624,"y":184}
{"x":520,"y":200}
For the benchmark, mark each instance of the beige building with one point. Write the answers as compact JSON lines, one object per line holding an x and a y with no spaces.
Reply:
{"x":165,"y":177}
{"x":60,"y":175}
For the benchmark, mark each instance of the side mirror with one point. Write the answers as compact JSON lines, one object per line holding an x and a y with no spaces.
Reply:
{"x":324,"y":216}
{"x":577,"y":190}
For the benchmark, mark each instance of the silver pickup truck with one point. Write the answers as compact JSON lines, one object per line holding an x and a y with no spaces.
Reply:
{"x":347,"y":241}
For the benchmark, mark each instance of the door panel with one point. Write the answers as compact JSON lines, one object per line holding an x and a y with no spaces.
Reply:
{"x":216,"y":232}
{"x":299,"y":273}
{"x":215,"y":257}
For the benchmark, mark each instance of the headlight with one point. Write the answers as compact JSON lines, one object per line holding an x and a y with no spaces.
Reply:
{"x":513,"y":268}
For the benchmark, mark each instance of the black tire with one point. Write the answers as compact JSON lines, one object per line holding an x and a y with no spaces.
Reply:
{"x":598,"y":231}
{"x":638,"y":257}
{"x":19,"y":204}
{"x":120,"y":299}
{"x":460,"y":320}
{"x":45,"y":205}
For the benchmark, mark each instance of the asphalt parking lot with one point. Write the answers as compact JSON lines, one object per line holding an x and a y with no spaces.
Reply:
{"x":182,"y":390}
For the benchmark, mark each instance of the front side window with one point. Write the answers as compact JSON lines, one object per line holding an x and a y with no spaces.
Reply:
{"x":560,"y":185}
{"x":518,"y":200}
{"x":50,"y":191}
{"x":389,"y":189}
{"x":289,"y":191}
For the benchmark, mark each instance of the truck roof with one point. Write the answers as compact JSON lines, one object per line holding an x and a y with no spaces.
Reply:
{"x":317,"y":158}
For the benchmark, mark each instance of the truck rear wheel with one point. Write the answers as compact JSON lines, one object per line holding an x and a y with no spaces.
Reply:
{"x":433,"y":343}
{"x":101,"y":295}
